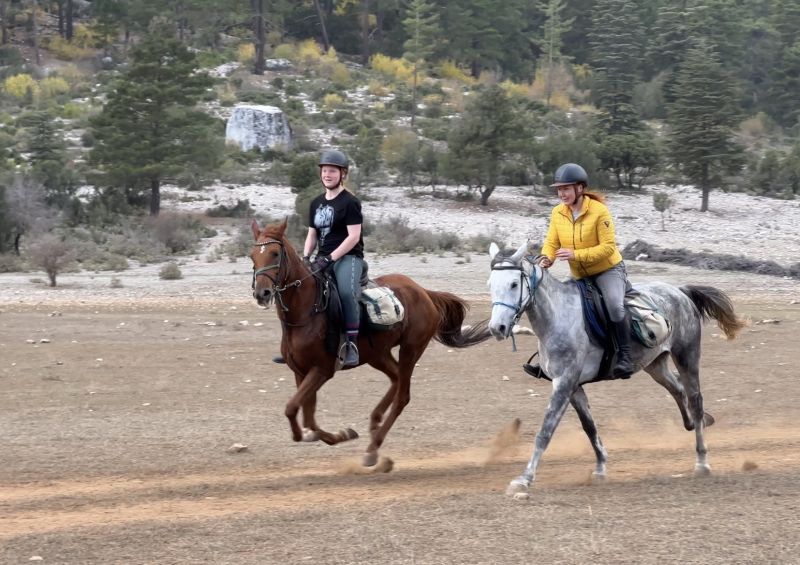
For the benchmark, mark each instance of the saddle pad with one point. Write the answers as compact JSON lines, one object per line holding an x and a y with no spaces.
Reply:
{"x":648,"y":324}
{"x":383,"y":308}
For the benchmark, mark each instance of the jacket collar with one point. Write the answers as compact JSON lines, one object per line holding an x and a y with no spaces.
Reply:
{"x":565,"y":210}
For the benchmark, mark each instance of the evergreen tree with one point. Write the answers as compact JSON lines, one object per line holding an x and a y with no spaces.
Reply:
{"x":551,"y":40}
{"x":702,"y":119}
{"x":624,"y":147}
{"x":149,"y":131}
{"x":422,"y":28}
{"x":48,"y":160}
{"x":482,"y":139}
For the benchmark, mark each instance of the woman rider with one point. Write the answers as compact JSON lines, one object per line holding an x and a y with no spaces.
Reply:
{"x":581,"y":231}
{"x":334,"y":230}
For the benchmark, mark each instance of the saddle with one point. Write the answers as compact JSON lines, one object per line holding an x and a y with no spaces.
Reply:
{"x":648,"y":325}
{"x":380,"y":309}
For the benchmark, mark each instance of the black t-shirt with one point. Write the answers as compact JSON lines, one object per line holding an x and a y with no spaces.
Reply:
{"x":331,"y":218}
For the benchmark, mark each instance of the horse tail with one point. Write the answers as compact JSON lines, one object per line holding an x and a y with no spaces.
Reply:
{"x":713,"y":303}
{"x":452,"y":311}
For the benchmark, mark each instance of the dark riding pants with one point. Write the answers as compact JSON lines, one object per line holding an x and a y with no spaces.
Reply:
{"x":348,"y":281}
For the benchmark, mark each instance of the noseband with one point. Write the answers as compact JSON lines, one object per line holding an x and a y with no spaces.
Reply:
{"x":531,"y":283}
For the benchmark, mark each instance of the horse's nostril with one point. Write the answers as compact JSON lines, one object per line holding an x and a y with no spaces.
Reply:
{"x":502,"y":329}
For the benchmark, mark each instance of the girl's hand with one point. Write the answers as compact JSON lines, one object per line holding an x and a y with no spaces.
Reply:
{"x":565,"y":254}
{"x":545,"y":263}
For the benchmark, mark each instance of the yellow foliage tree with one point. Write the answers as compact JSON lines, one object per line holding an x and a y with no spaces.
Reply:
{"x":51,"y":87}
{"x":21,"y":86}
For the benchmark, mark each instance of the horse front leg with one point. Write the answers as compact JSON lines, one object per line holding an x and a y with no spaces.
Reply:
{"x":306,"y":397}
{"x":580,"y":402}
{"x":559,"y":400}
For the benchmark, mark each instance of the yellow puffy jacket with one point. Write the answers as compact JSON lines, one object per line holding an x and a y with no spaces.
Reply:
{"x":590,"y":235}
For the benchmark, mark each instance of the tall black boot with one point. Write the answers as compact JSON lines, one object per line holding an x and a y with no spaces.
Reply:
{"x":622,"y":336}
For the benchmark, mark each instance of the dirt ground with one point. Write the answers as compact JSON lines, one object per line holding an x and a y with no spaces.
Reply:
{"x":118,"y":408}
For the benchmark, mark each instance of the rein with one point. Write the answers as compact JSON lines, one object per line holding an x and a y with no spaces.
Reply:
{"x":531,"y":282}
{"x":279,"y":289}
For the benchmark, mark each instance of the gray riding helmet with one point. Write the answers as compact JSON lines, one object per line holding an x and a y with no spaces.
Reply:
{"x":570,"y":173}
{"x":335,"y":158}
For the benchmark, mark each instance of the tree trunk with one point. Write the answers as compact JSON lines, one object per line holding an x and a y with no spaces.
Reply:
{"x":52,"y":276}
{"x":414,"y":97}
{"x":365,"y":32}
{"x":259,"y":36}
{"x":155,"y":197}
{"x":60,"y":4}
{"x":325,"y":42}
{"x":485,"y":194}
{"x":17,"y":238}
{"x":3,"y":22}
{"x":35,"y":31}
{"x":704,"y":185}
{"x":69,"y":32}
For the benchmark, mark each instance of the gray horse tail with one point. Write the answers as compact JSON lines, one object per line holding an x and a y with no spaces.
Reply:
{"x":713,"y":303}
{"x":452,"y":311}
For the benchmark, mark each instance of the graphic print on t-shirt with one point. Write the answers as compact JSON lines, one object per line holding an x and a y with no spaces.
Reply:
{"x":323,"y":221}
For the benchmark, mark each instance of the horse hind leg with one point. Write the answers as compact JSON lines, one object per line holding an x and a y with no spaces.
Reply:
{"x":580,"y":402}
{"x":687,"y":363}
{"x":661,"y":373}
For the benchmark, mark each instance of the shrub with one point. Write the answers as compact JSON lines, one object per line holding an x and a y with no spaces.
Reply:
{"x":303,"y":172}
{"x":53,"y":254}
{"x":66,"y":50}
{"x":246,"y":53}
{"x":285,"y":51}
{"x":21,"y":86}
{"x":449,"y":70}
{"x":170,"y":272}
{"x":308,"y":53}
{"x":115,"y":283}
{"x":241,"y":209}
{"x":51,"y":87}
{"x":332,"y":100}
{"x":397,"y":69}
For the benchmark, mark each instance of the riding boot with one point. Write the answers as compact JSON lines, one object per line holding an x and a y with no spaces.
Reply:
{"x":622,"y":336}
{"x":279,"y":359}
{"x":351,"y":355}
{"x":535,"y":370}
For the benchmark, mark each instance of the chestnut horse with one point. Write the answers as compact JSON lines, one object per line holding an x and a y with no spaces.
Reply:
{"x":279,"y":275}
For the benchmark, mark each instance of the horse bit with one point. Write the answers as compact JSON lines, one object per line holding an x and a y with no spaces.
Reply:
{"x":276,"y":288}
{"x":531,"y":282}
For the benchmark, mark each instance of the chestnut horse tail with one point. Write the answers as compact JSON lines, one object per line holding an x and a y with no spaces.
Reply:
{"x":452,"y":311}
{"x":713,"y":303}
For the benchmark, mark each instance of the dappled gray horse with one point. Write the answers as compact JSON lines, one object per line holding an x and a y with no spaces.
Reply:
{"x":518,"y":285}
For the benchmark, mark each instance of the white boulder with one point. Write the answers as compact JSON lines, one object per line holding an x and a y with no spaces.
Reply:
{"x":258,"y":126}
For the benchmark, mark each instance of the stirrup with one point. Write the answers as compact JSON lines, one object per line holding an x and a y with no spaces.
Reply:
{"x":351,"y":355}
{"x":535,"y":371}
{"x":279,"y":359}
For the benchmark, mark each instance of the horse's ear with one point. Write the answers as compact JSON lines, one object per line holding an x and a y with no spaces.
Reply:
{"x":254,"y":227}
{"x":493,"y":250}
{"x":520,"y":253}
{"x":283,"y":224}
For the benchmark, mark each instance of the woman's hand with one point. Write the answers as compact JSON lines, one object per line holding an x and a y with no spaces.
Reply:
{"x":545,"y":262}
{"x":565,"y":254}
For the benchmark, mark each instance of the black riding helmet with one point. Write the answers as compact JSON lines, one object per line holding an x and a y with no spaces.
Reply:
{"x":335,"y":158}
{"x":570,"y":173}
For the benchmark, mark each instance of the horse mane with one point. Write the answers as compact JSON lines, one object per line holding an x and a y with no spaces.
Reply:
{"x":278,"y":232}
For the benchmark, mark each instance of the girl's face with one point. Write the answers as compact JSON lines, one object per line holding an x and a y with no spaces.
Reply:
{"x":569,"y":193}
{"x":331,"y":176}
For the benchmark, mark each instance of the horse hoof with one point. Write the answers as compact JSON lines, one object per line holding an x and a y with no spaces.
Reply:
{"x":517,"y":490}
{"x":702,"y":470}
{"x":348,"y":434}
{"x":708,"y":420}
{"x":310,"y":435}
{"x":370,"y":459}
{"x":599,"y":476}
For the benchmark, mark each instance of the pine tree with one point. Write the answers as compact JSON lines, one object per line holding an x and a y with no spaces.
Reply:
{"x":482,"y":139}
{"x":48,"y":160}
{"x":422,"y":28}
{"x":149,"y":131}
{"x":551,"y":40}
{"x":624,"y":146}
{"x":702,"y":119}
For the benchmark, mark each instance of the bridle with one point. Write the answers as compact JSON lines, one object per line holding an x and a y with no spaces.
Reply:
{"x":531,"y":282}
{"x":278,"y":288}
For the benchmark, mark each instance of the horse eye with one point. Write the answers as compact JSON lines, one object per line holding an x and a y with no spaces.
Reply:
{"x":514,"y":285}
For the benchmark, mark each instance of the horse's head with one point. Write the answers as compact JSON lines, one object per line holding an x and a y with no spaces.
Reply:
{"x":269,"y":261}
{"x":512,"y":286}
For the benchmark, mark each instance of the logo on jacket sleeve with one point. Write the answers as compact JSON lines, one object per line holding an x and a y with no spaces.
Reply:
{"x":606,"y":223}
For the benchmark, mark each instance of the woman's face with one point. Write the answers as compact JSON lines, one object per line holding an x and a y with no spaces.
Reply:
{"x":331,"y":176}
{"x":569,"y":193}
